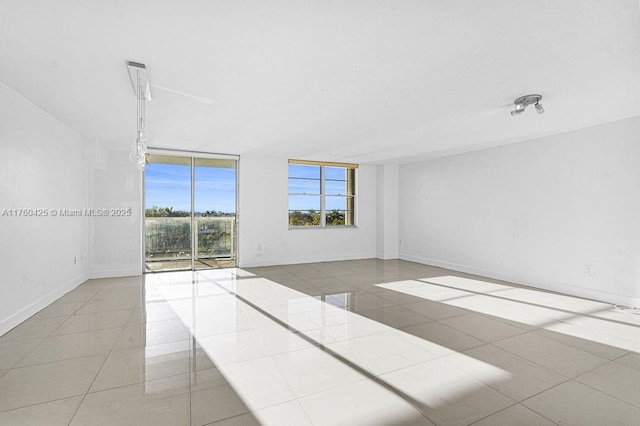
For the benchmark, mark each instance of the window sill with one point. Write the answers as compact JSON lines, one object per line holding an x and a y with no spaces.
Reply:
{"x":294,"y":228}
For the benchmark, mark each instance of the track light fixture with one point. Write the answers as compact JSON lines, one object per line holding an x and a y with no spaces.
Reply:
{"x":523,"y":101}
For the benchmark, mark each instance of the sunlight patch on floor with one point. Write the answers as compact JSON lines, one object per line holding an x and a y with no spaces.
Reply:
{"x":269,"y":322}
{"x":581,"y":318}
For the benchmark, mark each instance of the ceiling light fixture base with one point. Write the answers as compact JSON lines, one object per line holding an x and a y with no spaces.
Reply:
{"x":523,"y":102}
{"x":139,"y":80}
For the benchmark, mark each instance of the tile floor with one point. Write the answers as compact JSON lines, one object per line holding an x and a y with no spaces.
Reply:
{"x":365,"y":342}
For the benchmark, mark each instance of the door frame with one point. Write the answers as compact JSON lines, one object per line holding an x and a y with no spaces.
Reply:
{"x":192,"y":155}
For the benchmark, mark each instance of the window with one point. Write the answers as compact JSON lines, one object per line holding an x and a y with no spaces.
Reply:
{"x":321,"y":194}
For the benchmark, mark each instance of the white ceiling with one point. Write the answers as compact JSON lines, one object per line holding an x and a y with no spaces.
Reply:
{"x":365,"y":81}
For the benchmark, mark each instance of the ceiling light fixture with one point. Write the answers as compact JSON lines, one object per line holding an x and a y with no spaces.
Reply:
{"x":142,"y":90}
{"x":523,"y":101}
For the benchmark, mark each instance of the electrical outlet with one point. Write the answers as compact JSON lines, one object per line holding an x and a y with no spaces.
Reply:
{"x":589,"y":270}
{"x":75,"y":260}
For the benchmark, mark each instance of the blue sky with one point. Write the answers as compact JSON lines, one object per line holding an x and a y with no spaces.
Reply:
{"x":305,"y":179}
{"x":169,"y":185}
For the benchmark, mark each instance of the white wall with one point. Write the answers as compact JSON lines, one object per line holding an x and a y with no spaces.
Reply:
{"x":387,"y":211}
{"x":265,"y":237}
{"x":534,"y":213}
{"x":41,"y":167}
{"x":115,"y":241}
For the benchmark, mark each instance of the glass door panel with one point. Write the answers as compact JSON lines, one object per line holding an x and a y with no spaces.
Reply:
{"x":167,"y":213}
{"x":215,"y":213}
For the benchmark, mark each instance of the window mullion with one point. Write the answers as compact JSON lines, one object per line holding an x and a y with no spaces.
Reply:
{"x":323,"y":220}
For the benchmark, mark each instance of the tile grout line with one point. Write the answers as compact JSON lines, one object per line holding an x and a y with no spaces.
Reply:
{"x":579,"y":383}
{"x":539,"y":393}
{"x":567,"y":379}
{"x":52,"y":331}
{"x":39,"y":403}
{"x":100,"y":369}
{"x":555,"y":342}
{"x":511,"y":406}
{"x":407,"y":398}
{"x":489,"y":415}
{"x":602,"y":391}
{"x":297,"y":398}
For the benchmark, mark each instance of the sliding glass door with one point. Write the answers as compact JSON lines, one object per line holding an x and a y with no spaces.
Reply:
{"x":190,"y":212}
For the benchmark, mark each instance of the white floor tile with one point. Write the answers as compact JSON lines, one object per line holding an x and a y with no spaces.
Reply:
{"x":516,"y":415}
{"x":314,"y":370}
{"x":351,"y":326}
{"x":59,"y":309}
{"x":585,"y":339}
{"x":441,"y":334}
{"x":36,"y":384}
{"x":158,"y":402}
{"x":435,"y":310}
{"x":616,"y":329}
{"x":67,"y":346}
{"x":482,"y":327}
{"x":141,"y":334}
{"x":448,"y":395}
{"x":259,"y":383}
{"x":362,"y":403}
{"x":34,"y":328}
{"x":395,"y":316}
{"x":55,"y":413}
{"x":124,"y":294}
{"x":575,"y":404}
{"x":251,"y":344}
{"x":93,"y":306}
{"x":361,"y":301}
{"x":524,"y":378}
{"x":213,"y":398}
{"x":395,"y":296}
{"x":82,"y":293}
{"x":556,"y":356}
{"x":630,"y":360}
{"x":129,"y":366}
{"x":381,"y":353}
{"x":286,"y":414}
{"x":11,"y":352}
{"x":615,"y":379}
{"x":91,"y":322}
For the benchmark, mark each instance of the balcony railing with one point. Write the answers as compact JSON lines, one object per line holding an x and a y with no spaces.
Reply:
{"x":169,"y":238}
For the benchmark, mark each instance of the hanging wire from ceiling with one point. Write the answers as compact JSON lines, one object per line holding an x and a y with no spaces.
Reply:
{"x":140,"y":81}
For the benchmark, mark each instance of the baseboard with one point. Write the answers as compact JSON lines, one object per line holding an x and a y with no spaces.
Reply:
{"x":281,"y":261}
{"x":12,"y":321}
{"x":558,"y":287}
{"x":382,"y":257}
{"x":115,"y":273}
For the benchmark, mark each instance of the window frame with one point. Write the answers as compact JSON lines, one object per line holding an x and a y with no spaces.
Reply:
{"x":323,"y":195}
